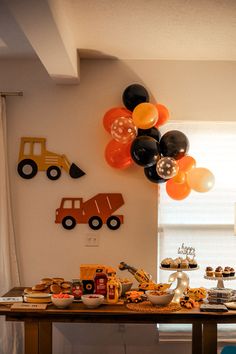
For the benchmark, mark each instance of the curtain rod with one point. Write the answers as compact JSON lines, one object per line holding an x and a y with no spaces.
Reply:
{"x":13,"y":93}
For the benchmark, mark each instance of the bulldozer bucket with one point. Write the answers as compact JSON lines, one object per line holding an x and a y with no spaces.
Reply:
{"x":75,"y":171}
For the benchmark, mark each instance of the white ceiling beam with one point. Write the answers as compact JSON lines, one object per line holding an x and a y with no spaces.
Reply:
{"x":40,"y":24}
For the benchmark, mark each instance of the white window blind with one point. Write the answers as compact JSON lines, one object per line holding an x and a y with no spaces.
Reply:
{"x":203,"y":220}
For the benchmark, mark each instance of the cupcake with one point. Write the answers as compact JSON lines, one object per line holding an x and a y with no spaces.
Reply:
{"x":209,"y":272}
{"x":232,"y":272}
{"x":226,"y":273}
{"x":165,"y":263}
{"x":184,"y":264}
{"x":178,"y":260}
{"x":218,"y":272}
{"x":192,"y":263}
{"x":174,"y":264}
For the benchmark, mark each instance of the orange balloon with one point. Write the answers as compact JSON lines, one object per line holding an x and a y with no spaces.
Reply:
{"x":163,"y":115}
{"x":180,"y":177}
{"x":118,"y":155}
{"x":177,"y":191}
{"x":113,"y":114}
{"x":200,"y":179}
{"x":145,"y":115}
{"x":186,"y":163}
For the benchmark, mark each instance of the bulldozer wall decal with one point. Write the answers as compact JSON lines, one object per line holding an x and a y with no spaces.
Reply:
{"x":34,"y":157}
{"x":95,"y":212}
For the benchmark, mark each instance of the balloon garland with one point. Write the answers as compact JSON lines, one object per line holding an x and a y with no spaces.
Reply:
{"x":136,"y":139}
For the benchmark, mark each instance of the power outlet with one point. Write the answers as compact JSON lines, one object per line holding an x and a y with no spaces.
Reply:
{"x":92,"y":240}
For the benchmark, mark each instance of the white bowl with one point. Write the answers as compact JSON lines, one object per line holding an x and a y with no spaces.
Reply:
{"x":92,"y":300}
{"x":62,"y":303}
{"x":156,"y":298}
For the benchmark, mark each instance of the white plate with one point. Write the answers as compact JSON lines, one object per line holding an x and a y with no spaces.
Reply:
{"x":180,"y":269}
{"x":230,"y":305}
{"x":219,"y":278}
{"x":41,"y":295}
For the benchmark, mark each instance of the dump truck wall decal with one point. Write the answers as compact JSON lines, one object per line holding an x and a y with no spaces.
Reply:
{"x":95,"y":211}
{"x":34,"y":157}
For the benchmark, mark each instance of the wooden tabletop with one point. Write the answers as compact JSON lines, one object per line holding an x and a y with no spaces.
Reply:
{"x":78,"y":312}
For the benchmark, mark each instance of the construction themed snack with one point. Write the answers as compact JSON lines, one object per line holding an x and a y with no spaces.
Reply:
{"x":135,"y":296}
{"x":196,"y":294}
{"x":188,"y":303}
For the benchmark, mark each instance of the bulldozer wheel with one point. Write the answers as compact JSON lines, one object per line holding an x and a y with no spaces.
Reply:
{"x":53,"y":172}
{"x":68,"y":223}
{"x":113,"y":222}
{"x":95,"y":222}
{"x":27,"y":168}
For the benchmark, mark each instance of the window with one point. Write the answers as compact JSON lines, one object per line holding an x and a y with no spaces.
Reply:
{"x":203,"y":220}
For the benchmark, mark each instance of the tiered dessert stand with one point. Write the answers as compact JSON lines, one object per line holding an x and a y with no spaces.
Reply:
{"x":180,"y":275}
{"x":220,"y":281}
{"x":182,"y":280}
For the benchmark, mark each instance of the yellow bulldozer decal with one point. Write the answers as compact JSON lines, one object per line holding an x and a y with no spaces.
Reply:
{"x":34,"y":157}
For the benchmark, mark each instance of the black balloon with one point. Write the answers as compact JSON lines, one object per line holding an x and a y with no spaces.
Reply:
{"x":133,"y":95}
{"x":174,"y":144}
{"x":145,"y":151}
{"x":152,"y":132}
{"x":152,"y":175}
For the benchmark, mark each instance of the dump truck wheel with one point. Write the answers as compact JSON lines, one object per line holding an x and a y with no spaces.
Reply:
{"x":95,"y":222}
{"x":53,"y":172}
{"x":113,"y":222}
{"x":68,"y":223}
{"x":27,"y":168}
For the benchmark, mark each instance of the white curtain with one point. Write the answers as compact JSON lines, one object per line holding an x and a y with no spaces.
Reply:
{"x":10,"y":333}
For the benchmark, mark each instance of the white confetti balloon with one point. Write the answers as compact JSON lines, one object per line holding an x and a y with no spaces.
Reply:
{"x":167,"y":167}
{"x":123,"y":130}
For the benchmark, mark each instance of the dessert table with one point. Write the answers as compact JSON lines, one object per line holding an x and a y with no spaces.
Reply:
{"x":38,"y":323}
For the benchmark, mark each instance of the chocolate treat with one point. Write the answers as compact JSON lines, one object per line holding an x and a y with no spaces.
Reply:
{"x":219,"y":269}
{"x":226,"y":273}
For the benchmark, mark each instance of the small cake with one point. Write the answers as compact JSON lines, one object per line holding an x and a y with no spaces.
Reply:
{"x":192,"y":263}
{"x":174,"y":264}
{"x":209,"y":272}
{"x":232,"y":272}
{"x":219,"y":269}
{"x":165,"y":263}
{"x":184,"y":264}
{"x":226,"y":273}
{"x":218,"y":272}
{"x":178,"y":260}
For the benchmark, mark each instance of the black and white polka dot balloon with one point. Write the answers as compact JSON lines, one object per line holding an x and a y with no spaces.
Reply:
{"x":167,"y":167}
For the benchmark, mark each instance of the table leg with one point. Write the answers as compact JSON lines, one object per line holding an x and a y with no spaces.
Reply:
{"x":45,"y":338}
{"x":31,"y":337}
{"x":209,"y":338}
{"x":38,"y":337}
{"x":197,"y":338}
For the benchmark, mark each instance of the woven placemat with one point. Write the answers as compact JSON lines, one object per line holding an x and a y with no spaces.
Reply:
{"x":147,"y":306}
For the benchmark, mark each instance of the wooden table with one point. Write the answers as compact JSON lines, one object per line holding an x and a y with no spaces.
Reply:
{"x":38,"y":323}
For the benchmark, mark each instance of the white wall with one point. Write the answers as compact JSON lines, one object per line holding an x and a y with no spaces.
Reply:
{"x":70,"y":117}
{"x":71,"y":120}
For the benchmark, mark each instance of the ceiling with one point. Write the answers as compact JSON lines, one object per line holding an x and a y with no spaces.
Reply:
{"x":59,"y":32}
